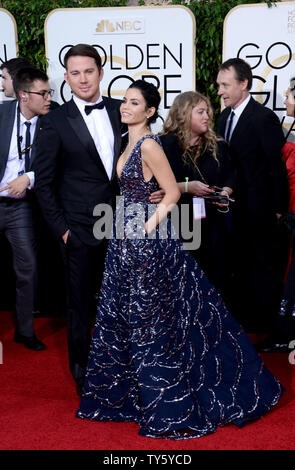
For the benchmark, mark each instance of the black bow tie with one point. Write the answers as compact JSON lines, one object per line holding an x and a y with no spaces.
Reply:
{"x":89,"y":108}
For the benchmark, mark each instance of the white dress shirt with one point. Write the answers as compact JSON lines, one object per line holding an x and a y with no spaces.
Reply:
{"x":16,"y":166}
{"x":237,"y":114}
{"x":100,"y":128}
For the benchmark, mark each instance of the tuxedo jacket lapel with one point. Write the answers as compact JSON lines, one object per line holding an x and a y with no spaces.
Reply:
{"x":6,"y":128}
{"x":113,"y":113}
{"x":222,"y":121}
{"x":33,"y":151}
{"x":80,"y":128}
{"x":243,"y":122}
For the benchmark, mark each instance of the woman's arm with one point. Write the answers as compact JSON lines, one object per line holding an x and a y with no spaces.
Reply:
{"x":195,"y":188}
{"x":155,"y":163}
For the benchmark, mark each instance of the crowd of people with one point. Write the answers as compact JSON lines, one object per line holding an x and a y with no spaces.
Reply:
{"x":169,"y":348}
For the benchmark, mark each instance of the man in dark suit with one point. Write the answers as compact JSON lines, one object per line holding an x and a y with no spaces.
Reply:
{"x":19,"y":125}
{"x":47,"y":249}
{"x":255,"y":139}
{"x":77,"y":151}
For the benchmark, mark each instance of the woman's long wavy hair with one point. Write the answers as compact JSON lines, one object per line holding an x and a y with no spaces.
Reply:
{"x":178,"y":122}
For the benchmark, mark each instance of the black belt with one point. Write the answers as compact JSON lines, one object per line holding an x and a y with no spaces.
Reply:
{"x":10,"y":199}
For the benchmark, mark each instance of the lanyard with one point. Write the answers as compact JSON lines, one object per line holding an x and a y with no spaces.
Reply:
{"x":197,"y":168}
{"x":216,"y":188}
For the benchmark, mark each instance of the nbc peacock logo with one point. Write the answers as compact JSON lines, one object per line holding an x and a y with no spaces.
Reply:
{"x":128,"y":25}
{"x":105,"y":26}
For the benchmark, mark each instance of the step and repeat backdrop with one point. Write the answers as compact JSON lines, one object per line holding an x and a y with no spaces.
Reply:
{"x":265,"y":38}
{"x":151,"y":43}
{"x":132,"y":42}
{"x":158,"y":44}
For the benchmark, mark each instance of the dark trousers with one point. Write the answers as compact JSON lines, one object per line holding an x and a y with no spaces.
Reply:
{"x":284,"y":327}
{"x":83,"y":269}
{"x":258,"y":267}
{"x":214,"y":251}
{"x":17,"y":224}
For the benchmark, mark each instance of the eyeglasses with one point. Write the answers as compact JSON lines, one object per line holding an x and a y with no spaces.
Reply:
{"x":44,"y":93}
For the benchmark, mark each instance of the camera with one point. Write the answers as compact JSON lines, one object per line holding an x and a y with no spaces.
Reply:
{"x":216,"y":196}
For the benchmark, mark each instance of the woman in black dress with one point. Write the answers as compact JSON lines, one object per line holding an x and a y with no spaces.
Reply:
{"x":200,"y":161}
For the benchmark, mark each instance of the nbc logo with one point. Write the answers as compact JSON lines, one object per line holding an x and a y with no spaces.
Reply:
{"x":105,"y":27}
{"x":132,"y":25}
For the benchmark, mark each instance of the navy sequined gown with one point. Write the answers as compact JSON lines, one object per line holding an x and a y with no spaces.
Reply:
{"x":165,"y":351}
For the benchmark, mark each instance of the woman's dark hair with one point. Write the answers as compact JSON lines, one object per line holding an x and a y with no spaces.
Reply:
{"x":151,"y":96}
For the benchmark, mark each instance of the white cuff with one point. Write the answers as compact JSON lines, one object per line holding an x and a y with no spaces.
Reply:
{"x":31,"y":176}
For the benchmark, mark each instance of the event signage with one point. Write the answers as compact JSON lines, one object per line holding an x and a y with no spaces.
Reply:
{"x":150,"y":43}
{"x":8,"y":39}
{"x":265,"y":37}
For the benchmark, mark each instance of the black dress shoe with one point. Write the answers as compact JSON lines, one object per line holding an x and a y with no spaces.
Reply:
{"x":31,"y":342}
{"x":272,"y":345}
{"x":79,"y":385}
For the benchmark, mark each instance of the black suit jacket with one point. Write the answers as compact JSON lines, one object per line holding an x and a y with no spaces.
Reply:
{"x":255,"y":148}
{"x":219,"y":173}
{"x":7,"y":117}
{"x":70,"y":178}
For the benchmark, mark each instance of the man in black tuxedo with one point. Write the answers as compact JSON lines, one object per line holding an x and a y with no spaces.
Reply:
{"x":75,"y":165}
{"x":19,"y":126}
{"x":255,"y":139}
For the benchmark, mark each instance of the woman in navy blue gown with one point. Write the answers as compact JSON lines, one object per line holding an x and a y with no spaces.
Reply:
{"x":165,"y":351}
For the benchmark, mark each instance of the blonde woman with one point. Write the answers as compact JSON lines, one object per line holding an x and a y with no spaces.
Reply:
{"x":200,"y":162}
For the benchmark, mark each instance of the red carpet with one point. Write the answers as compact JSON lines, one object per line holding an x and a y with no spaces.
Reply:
{"x":38,"y":403}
